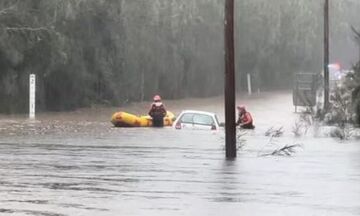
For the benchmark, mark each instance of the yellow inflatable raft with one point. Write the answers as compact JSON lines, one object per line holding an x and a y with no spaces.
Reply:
{"x":123,"y":119}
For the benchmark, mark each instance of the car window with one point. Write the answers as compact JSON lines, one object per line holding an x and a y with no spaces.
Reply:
{"x":203,"y":119}
{"x":187,"y":118}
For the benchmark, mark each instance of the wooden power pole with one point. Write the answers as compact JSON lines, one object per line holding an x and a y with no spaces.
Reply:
{"x":230,"y":115}
{"x":326,"y":56}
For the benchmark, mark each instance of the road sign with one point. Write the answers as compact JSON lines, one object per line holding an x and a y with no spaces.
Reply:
{"x":305,"y":88}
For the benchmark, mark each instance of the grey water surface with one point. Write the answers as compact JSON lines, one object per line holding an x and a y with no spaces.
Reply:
{"x":103,"y":170}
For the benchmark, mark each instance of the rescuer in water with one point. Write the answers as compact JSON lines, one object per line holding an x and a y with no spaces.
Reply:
{"x":157,"y":112}
{"x":245,"y":121}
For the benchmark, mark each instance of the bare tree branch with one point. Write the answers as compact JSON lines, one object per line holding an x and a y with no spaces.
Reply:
{"x":6,"y":10}
{"x":287,"y":150}
{"x":26,"y":29}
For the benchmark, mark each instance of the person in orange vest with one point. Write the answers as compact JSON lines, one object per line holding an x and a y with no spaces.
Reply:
{"x":245,"y":120}
{"x":157,"y":112}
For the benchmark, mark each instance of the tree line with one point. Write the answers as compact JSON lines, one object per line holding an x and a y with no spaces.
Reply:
{"x":113,"y":52}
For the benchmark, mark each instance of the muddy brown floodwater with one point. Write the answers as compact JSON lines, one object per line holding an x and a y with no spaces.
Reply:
{"x":78,"y":164}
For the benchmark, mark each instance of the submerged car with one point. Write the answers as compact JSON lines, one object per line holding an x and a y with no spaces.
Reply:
{"x":191,"y":119}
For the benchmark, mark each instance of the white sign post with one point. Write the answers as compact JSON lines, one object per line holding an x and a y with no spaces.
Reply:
{"x":32,"y":94}
{"x":249,"y":84}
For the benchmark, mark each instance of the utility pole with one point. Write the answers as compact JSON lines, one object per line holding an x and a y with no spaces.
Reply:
{"x":326,"y":56}
{"x":230,"y":115}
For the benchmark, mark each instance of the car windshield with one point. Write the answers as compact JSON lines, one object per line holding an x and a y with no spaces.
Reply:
{"x":203,"y":119}
{"x":187,"y":118}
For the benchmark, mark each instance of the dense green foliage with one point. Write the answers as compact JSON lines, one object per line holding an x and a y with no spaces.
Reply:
{"x":112,"y":52}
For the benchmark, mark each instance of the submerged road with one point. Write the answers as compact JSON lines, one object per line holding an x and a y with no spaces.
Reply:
{"x":77,"y":164}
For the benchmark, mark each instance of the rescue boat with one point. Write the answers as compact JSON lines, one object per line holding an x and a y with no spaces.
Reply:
{"x":124,"y":119}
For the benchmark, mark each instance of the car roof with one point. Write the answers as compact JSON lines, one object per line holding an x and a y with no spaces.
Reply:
{"x":198,"y":112}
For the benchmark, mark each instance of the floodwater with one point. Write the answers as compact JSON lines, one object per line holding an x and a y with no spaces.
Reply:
{"x":78,"y":164}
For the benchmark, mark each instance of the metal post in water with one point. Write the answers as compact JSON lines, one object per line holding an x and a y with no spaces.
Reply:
{"x":326,"y":56}
{"x":32,"y":95}
{"x":249,"y":84}
{"x":230,"y":115}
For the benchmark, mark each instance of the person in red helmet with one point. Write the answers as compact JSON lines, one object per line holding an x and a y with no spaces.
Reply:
{"x":157,"y":112}
{"x":245,"y":120}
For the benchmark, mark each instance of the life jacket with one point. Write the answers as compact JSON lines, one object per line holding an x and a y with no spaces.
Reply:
{"x":246,"y":118}
{"x":157,"y":110}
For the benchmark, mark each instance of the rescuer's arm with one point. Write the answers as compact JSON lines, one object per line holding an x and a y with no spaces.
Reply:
{"x":163,"y":111}
{"x":238,"y":122}
{"x":151,"y":112}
